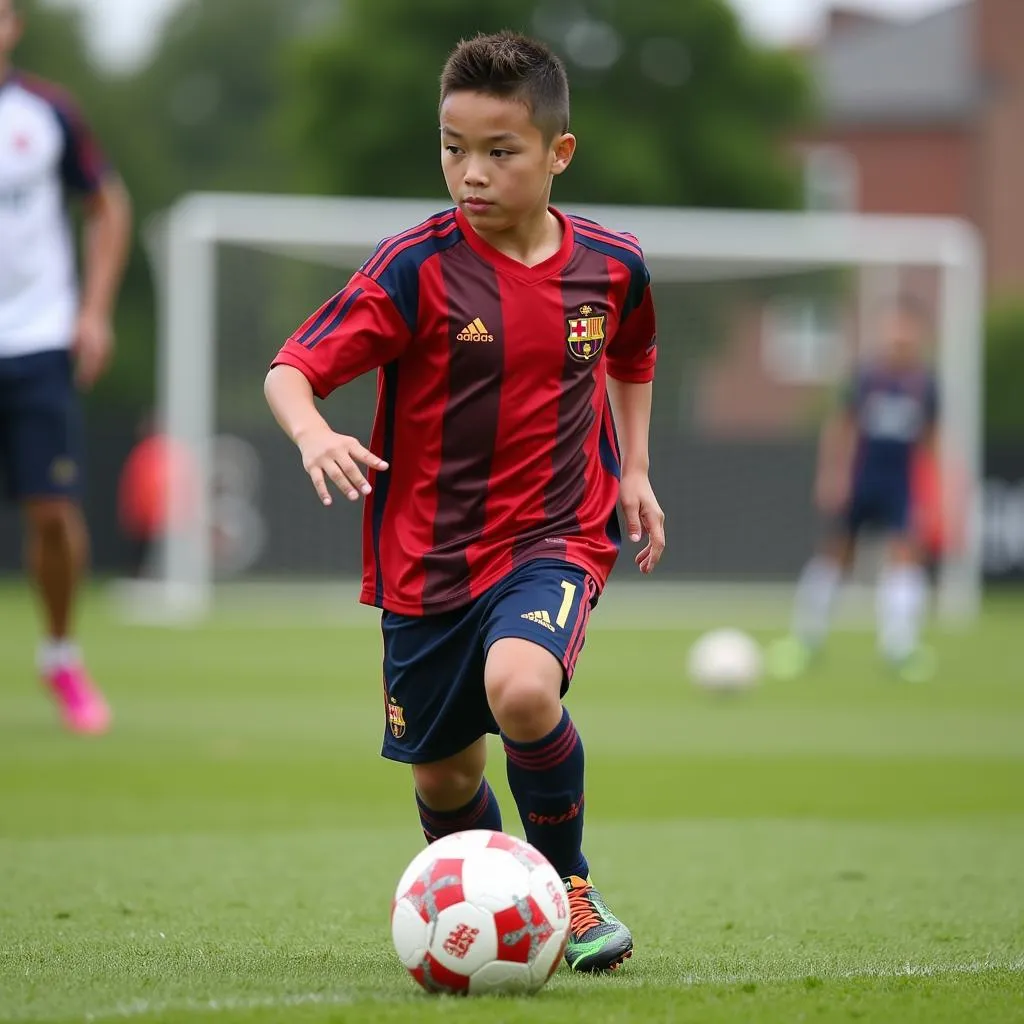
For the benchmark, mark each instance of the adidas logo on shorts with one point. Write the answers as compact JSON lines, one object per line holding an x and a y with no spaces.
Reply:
{"x":541,"y":618}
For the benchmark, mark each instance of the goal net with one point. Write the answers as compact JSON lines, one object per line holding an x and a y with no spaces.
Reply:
{"x":762,"y":316}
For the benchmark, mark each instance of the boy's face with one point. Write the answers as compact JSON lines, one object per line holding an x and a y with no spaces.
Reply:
{"x":902,"y":338}
{"x":10,"y":29}
{"x":497,"y":164}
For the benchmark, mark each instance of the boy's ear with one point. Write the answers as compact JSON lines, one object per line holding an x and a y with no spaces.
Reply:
{"x":562,"y":152}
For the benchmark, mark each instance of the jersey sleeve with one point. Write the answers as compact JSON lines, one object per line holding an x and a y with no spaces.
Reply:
{"x":358,"y":330}
{"x":633,"y":350}
{"x":83,"y":166}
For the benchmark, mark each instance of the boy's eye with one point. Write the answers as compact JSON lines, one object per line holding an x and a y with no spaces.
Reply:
{"x":501,"y":152}
{"x":452,"y":149}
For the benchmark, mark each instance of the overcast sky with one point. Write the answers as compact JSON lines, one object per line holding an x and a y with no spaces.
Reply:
{"x":122,"y":30}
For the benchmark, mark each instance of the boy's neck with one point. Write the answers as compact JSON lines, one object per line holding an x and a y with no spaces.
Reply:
{"x":531,"y":241}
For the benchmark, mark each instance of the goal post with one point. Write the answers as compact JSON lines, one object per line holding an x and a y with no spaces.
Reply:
{"x":747,"y":258}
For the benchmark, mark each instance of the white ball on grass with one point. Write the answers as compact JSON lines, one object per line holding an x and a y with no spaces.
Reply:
{"x":725,"y":660}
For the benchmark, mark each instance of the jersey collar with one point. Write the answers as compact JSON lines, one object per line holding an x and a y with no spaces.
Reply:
{"x":513,"y":268}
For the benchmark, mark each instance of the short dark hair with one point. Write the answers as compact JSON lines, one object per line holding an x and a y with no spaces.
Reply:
{"x":512,"y":66}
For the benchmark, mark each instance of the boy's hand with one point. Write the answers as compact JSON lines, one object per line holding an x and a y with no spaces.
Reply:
{"x":642,"y":512}
{"x":326,"y":454}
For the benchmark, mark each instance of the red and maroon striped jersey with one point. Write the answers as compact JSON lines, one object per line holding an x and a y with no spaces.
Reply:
{"x":492,"y":406}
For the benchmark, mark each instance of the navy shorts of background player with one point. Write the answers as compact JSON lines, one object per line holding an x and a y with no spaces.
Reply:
{"x":40,"y":426}
{"x":894,"y":414}
{"x":434,"y":664}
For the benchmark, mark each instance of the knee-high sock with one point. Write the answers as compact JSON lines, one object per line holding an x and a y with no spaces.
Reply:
{"x":481,"y":812}
{"x":902,"y":595}
{"x":546,"y":779}
{"x":816,"y":593}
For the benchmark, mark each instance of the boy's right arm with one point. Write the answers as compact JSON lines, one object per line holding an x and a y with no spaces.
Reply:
{"x":837,"y":445}
{"x":325,"y":454}
{"x":835,"y":462}
{"x":356,"y":330}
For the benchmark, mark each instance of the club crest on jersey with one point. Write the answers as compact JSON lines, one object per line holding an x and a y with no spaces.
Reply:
{"x":585,"y":336}
{"x":396,"y":719}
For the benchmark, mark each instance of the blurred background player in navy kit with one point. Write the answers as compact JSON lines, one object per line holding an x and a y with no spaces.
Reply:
{"x":54,"y":340}
{"x":866,"y":462}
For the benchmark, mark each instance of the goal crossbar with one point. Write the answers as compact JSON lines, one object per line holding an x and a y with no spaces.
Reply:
{"x":679,"y":244}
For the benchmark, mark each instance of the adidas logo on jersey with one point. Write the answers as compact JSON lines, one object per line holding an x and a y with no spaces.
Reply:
{"x":475,"y":331}
{"x":541,"y":618}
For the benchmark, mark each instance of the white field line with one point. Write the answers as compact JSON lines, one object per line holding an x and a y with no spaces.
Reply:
{"x":228,"y":1004}
{"x":905,"y":970}
{"x":145,"y":1008}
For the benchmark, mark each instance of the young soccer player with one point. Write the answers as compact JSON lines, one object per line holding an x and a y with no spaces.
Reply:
{"x":49,"y":336}
{"x":506,"y":333}
{"x":865,"y":469}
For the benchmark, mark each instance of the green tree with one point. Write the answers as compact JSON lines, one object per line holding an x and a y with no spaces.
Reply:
{"x":212,"y":85}
{"x":671,"y":102}
{"x":199,"y":116}
{"x":1004,"y":370}
{"x":53,"y":47}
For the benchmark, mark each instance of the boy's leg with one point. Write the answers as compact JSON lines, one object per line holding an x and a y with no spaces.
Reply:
{"x":902,"y":595}
{"x":902,"y":598}
{"x":813,"y":605}
{"x":535,"y":628}
{"x":816,"y":593}
{"x":45,"y":479}
{"x":545,"y":762}
{"x":452,"y":795}
{"x":436,"y":718}
{"x":56,"y":547}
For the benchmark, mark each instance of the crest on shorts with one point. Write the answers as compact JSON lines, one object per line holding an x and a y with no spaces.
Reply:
{"x":396,"y":719}
{"x":63,"y":471}
{"x":585,"y":334}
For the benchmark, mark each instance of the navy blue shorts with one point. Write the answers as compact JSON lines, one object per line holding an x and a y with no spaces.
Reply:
{"x":40,"y":426}
{"x":882,"y":506}
{"x":434,"y":696}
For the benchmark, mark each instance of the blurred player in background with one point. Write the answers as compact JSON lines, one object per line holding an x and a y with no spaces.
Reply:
{"x":867,"y":458}
{"x":53,"y":340}
{"x":504,"y":329}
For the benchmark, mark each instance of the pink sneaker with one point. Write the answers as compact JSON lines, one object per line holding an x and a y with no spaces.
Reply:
{"x":82,"y":705}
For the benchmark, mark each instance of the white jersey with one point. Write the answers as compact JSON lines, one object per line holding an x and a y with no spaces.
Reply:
{"x":46,"y":152}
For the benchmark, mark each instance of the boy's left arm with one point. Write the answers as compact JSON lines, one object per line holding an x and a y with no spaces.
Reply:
{"x":631,"y":357}
{"x":631,"y":408}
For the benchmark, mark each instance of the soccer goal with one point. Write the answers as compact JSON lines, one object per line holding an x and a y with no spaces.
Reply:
{"x":761,"y":317}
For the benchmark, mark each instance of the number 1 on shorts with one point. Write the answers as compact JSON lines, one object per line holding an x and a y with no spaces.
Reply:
{"x":563,"y":612}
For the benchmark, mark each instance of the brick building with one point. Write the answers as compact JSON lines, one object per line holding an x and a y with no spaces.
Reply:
{"x":927,"y":117}
{"x":921,"y":117}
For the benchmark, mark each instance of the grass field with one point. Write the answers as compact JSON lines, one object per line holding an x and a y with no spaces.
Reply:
{"x":838,"y":848}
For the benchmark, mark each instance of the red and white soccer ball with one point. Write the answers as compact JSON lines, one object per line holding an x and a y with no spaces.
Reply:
{"x":480,"y":912}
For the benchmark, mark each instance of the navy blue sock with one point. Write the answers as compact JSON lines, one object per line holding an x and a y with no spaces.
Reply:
{"x":546,"y":779}
{"x":481,"y":812}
